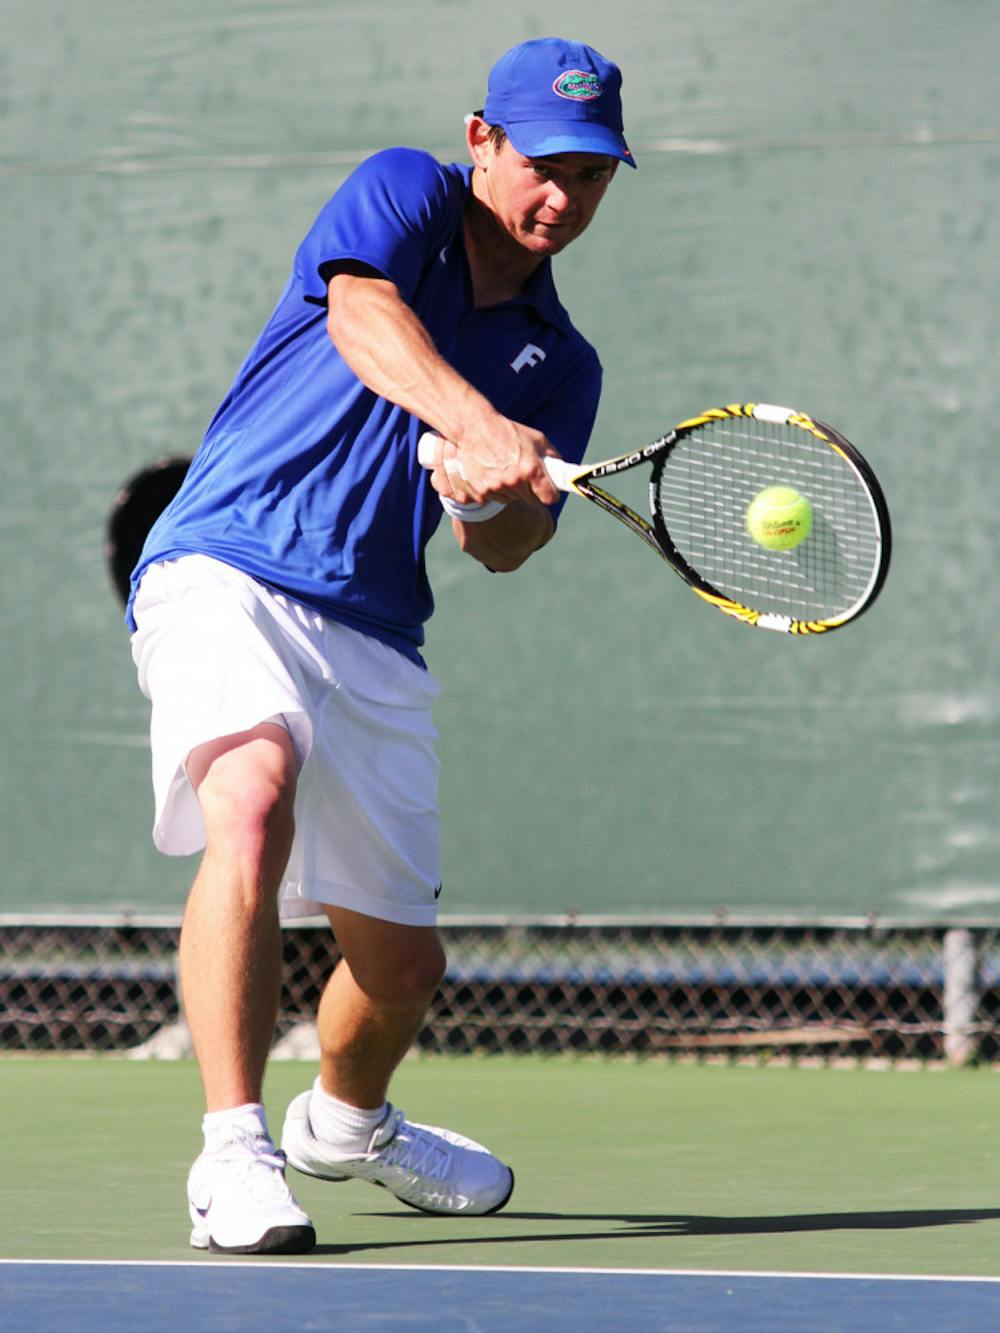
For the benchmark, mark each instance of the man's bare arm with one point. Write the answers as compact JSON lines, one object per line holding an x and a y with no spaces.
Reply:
{"x":391,"y":352}
{"x":504,"y":542}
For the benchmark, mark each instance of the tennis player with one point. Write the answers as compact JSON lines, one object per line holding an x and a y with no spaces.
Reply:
{"x":277,"y":615}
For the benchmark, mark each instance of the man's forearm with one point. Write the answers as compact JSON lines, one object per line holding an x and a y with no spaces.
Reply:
{"x":504,"y":542}
{"x":391,"y":352}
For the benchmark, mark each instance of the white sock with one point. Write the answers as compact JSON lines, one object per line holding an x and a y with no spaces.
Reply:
{"x":221,"y":1127}
{"x":349,"y":1128}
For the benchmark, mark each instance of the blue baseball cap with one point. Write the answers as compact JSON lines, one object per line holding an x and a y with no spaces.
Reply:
{"x":554,"y":96}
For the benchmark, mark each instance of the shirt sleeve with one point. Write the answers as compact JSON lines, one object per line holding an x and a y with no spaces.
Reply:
{"x":393,"y":212}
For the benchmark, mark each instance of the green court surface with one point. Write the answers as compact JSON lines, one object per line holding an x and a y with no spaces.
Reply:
{"x":619,"y":1165}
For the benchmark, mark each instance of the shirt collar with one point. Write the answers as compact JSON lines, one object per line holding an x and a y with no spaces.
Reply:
{"x":540,"y":293}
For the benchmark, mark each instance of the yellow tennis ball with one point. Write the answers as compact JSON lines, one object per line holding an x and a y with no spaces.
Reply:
{"x":779,"y":518}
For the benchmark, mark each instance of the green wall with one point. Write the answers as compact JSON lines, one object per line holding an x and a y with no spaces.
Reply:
{"x":813,"y":222}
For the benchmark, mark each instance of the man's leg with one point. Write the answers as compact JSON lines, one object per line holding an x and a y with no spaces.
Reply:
{"x":230,"y":949}
{"x":369,"y":1015}
{"x":230,"y":967}
{"x":374,"y":1003}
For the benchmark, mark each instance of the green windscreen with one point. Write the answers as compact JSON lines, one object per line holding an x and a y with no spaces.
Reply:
{"x":813,"y":222}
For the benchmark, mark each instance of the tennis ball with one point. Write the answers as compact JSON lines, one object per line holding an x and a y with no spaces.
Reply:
{"x":779,"y":518}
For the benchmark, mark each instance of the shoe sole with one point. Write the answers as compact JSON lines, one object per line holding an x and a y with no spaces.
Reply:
{"x":444,"y":1212}
{"x":431,"y":1212}
{"x":276,"y":1240}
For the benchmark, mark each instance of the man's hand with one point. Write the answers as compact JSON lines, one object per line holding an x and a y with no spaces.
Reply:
{"x":504,"y":464}
{"x":498,"y":460}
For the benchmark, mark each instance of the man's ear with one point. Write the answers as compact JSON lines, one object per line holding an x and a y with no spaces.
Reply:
{"x":477,"y":137}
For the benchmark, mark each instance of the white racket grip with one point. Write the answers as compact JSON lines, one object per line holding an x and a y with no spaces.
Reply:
{"x":427,"y":449}
{"x":560,"y":472}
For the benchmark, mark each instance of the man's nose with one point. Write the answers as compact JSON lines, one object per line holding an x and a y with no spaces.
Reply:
{"x":559,"y":199}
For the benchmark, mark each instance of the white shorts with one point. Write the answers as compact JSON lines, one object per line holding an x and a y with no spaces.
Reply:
{"x":217,"y":653}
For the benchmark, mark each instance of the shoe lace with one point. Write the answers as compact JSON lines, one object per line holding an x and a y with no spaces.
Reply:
{"x":262,"y":1165}
{"x":410,"y":1149}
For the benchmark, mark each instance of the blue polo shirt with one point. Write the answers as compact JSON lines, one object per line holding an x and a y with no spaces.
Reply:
{"x":306,"y":479}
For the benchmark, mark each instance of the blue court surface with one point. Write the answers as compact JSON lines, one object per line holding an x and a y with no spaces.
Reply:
{"x":275,"y":1296}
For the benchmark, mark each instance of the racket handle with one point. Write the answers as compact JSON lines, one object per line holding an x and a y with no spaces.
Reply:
{"x":427,"y":449}
{"x":561,"y":473}
{"x":558,"y":469}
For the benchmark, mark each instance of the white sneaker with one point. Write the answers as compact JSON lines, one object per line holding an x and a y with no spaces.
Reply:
{"x":240,"y":1204}
{"x":428,"y":1168}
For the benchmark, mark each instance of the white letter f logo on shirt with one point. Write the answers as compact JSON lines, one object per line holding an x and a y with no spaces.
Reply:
{"x":529,"y":355}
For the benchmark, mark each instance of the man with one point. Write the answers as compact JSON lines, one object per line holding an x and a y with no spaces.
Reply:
{"x":278,"y":611}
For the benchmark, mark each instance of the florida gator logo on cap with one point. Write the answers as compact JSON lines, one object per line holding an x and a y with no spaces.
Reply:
{"x":578,"y":85}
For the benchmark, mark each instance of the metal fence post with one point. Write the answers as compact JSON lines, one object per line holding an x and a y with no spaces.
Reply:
{"x":961,"y":995}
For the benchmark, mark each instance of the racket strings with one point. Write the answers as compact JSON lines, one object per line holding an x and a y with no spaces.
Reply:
{"x":706,"y":486}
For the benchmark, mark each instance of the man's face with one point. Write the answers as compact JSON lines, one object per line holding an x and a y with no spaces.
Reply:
{"x":545,"y":202}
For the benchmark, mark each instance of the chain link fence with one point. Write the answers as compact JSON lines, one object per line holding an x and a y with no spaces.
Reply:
{"x":720,"y":988}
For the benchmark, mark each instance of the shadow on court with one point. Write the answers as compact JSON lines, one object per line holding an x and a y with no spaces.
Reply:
{"x":649,"y":1226}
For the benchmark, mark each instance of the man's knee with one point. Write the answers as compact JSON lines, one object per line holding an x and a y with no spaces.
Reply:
{"x":420,"y":977}
{"x":246,"y":789}
{"x":398,"y":967}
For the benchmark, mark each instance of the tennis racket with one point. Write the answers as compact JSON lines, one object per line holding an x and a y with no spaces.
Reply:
{"x":706,"y":474}
{"x":134,"y":510}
